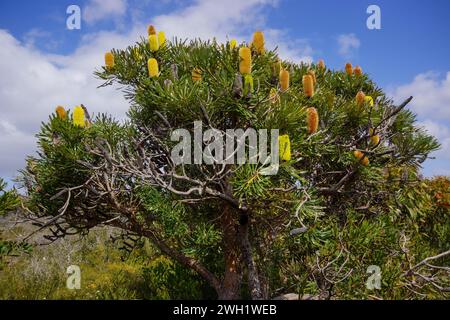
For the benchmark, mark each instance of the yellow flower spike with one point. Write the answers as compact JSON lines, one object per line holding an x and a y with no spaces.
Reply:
{"x":284,"y":80}
{"x":312,"y":120}
{"x":274,"y":96}
{"x":78,"y":117}
{"x":321,"y":64}
{"x":109,"y":60}
{"x":153,"y":42}
{"x":161,"y":39}
{"x":375,"y":139}
{"x":258,"y":42}
{"x":360,"y":98}
{"x":196,"y":75}
{"x":308,"y":85}
{"x":248,"y":84}
{"x":369,"y":100}
{"x":153,"y":69}
{"x":61,"y":112}
{"x":245,"y":64}
{"x":284,"y":147}
{"x":357,"y":71}
{"x":349,"y":68}
{"x":313,"y":75}
{"x":233,"y":43}
{"x":151,"y":30}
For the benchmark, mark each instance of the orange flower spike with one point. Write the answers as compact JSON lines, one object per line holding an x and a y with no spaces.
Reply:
{"x":151,"y":30}
{"x":61,"y":112}
{"x":308,"y":85}
{"x":357,"y":71}
{"x":321,"y":64}
{"x":360,"y":98}
{"x":349,"y":68}
{"x":313,"y":75}
{"x":284,"y":80}
{"x":358,"y":154}
{"x":312,"y":120}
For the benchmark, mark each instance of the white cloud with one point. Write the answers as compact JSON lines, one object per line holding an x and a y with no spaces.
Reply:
{"x":36,"y":82}
{"x":431,"y":95}
{"x":97,"y":10}
{"x":348,"y":44}
{"x":431,"y":102}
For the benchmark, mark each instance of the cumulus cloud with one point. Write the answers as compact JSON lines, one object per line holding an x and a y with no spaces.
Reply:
{"x":432,"y":105}
{"x":431,"y":95}
{"x":97,"y":10}
{"x":36,"y":82}
{"x":348,"y":44}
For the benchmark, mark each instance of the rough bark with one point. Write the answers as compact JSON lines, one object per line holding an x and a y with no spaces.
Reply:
{"x":232,"y":274}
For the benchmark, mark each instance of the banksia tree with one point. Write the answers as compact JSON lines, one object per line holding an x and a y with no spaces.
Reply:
{"x":322,"y":212}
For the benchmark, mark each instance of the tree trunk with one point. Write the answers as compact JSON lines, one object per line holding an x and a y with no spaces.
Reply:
{"x":232,"y":275}
{"x":247,"y":253}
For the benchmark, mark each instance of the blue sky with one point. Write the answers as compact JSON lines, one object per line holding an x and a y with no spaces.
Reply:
{"x":408,"y":56}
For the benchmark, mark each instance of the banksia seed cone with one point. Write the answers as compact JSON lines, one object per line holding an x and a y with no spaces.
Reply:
{"x":233,"y":43}
{"x":61,"y":112}
{"x":151,"y":30}
{"x":360,"y":98}
{"x":284,"y":147}
{"x":153,"y":69}
{"x":153,"y":42}
{"x":321,"y":64}
{"x":258,"y":42}
{"x":349,"y":68}
{"x":248,"y":84}
{"x":369,"y":100}
{"x":109,"y":60}
{"x":357,"y":71}
{"x":308,"y":85}
{"x":196,"y":74}
{"x":78,"y":117}
{"x":312,"y":120}
{"x":161,"y":39}
{"x":284,"y":80}
{"x":245,"y":65}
